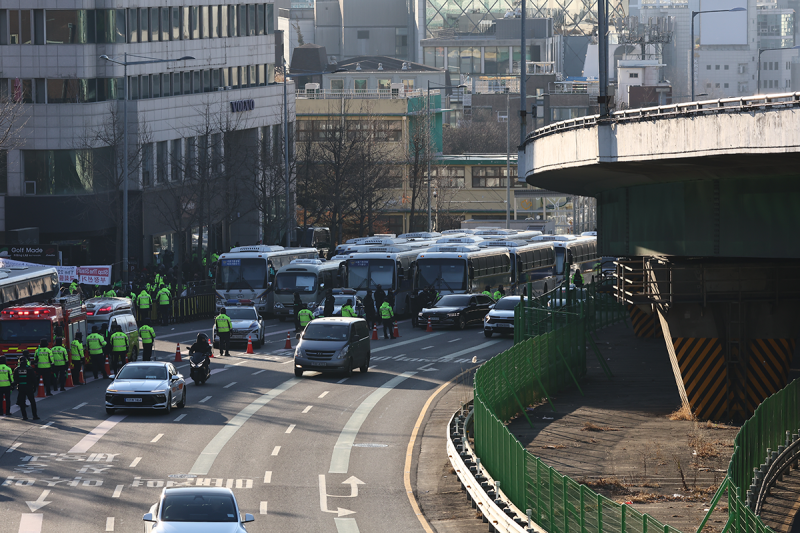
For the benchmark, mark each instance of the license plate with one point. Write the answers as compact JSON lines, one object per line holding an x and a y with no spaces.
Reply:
{"x":434,"y":318}
{"x":133,"y":400}
{"x":317,"y":363}
{"x":503,"y":325}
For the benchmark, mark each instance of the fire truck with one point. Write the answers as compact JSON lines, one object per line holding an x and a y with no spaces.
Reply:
{"x":22,"y":327}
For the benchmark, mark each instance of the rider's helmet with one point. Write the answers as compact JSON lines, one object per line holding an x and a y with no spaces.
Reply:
{"x":202,"y":338}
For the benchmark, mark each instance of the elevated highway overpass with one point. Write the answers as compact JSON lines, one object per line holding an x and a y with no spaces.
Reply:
{"x":702,"y":202}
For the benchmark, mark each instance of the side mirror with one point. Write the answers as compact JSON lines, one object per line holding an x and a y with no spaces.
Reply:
{"x":491,"y":306}
{"x":298,"y":336}
{"x":248,"y":518}
{"x":148,"y":517}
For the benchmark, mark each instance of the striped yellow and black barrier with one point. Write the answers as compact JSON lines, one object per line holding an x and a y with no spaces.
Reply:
{"x":767,"y":369}
{"x":704,"y":374}
{"x":644,"y":324}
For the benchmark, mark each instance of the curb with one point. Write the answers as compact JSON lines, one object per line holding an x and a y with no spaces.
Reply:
{"x":482,"y":490}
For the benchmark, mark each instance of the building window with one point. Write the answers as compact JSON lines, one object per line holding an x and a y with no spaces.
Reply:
{"x":726,"y":67}
{"x":401,"y":42}
{"x":70,"y":26}
{"x":485,"y":177}
{"x":716,"y":85}
{"x":633,"y":75}
{"x":175,"y":159}
{"x":52,"y":172}
{"x":708,"y":67}
{"x":337,"y":85}
{"x":133,"y":26}
{"x":726,"y":85}
{"x":716,"y":67}
{"x":363,"y":34}
{"x":360,"y":86}
{"x":449,"y":176}
{"x":144,"y":32}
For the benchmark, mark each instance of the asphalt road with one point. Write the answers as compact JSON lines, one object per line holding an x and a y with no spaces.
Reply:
{"x":319,"y":453}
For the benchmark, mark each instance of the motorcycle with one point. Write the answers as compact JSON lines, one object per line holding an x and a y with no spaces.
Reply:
{"x":200,"y":367}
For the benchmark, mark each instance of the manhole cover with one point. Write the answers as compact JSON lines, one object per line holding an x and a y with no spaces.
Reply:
{"x":182,"y":476}
{"x":370,"y":445}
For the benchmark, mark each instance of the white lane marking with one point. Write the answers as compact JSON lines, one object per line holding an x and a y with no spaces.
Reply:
{"x":239,"y":363}
{"x":110,"y":523}
{"x":276,"y":450}
{"x":204,"y":400}
{"x":206,"y":459}
{"x":342,"y":380}
{"x":14,"y":447}
{"x":323,"y":394}
{"x":229,"y":385}
{"x":268,"y":476}
{"x":346,"y":525}
{"x":182,"y":333}
{"x":79,"y":406}
{"x":323,"y":500}
{"x":46,"y":425}
{"x":96,"y":434}
{"x":403,"y":343}
{"x":31,"y":523}
{"x":426,"y":348}
{"x":287,"y":362}
{"x":454,"y":340}
{"x":157,"y":437}
{"x":262,"y":509}
{"x":135,"y":462}
{"x":257,"y":373}
{"x":118,"y":491}
{"x":452,"y":356}
{"x":180,"y":417}
{"x":307,"y":409}
{"x":340,"y":459}
{"x":290,"y":428}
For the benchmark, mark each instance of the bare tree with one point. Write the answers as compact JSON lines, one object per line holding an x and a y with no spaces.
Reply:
{"x":373,"y":183}
{"x":417,"y":156}
{"x":476,"y":136}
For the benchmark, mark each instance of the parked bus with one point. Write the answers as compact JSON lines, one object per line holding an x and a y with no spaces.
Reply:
{"x":502,"y":234}
{"x":245,"y":274}
{"x":534,"y":262}
{"x":459,"y":269}
{"x":391,"y":267}
{"x":311,"y":278}
{"x":580,"y":252}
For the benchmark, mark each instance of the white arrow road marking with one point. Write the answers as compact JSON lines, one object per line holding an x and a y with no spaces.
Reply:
{"x":31,"y":523}
{"x":96,"y":434}
{"x":346,"y":525}
{"x":425,"y":368}
{"x":207,"y":457}
{"x":354,"y":482}
{"x":323,"y":500}
{"x":39,"y":503}
{"x":340,"y":460}
{"x":417,"y":339}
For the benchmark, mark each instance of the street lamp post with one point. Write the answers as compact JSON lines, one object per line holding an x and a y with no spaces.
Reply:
{"x":125,"y":177}
{"x":758,"y":67}
{"x":691,"y":44}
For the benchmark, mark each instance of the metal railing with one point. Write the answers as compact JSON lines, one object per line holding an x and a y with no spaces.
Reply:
{"x":376,"y":94}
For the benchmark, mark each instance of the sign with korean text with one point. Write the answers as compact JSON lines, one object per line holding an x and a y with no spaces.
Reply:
{"x":95,"y":275}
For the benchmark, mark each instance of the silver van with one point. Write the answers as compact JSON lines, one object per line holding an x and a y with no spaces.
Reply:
{"x":109,"y":311}
{"x":333,"y":344}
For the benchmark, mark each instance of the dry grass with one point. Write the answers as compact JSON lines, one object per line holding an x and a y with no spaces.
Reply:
{"x":553,"y":447}
{"x":702,"y":445}
{"x":589,"y":426}
{"x":683,"y":413}
{"x":608,"y":484}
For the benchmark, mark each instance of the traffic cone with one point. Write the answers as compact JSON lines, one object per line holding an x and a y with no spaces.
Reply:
{"x":375,"y":332}
{"x":69,"y":383}
{"x":429,"y":328}
{"x":288,"y":345}
{"x":396,"y":331}
{"x":80,"y":377}
{"x":211,"y":347}
{"x":108,"y":367}
{"x":249,"y":345}
{"x":40,"y":393}
{"x":178,"y":353}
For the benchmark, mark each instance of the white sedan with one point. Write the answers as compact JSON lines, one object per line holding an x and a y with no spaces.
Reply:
{"x":196,"y":510}
{"x":245,"y":323}
{"x":146,"y":385}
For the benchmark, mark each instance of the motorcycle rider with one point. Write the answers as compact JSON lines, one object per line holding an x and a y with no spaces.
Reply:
{"x":202,"y":347}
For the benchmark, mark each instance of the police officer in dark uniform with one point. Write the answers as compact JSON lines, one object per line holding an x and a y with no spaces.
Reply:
{"x":26,"y":380}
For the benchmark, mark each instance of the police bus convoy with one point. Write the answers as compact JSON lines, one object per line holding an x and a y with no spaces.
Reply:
{"x":223,"y":323}
{"x":148,"y":336}
{"x":60,"y":362}
{"x":6,"y":383}
{"x":76,"y":357}
{"x":44,"y":362}
{"x":26,"y":380}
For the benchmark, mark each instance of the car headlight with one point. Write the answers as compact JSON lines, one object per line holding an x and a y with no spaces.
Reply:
{"x":254,"y":326}
{"x":112,"y":390}
{"x":453,"y":315}
{"x":420,"y":314}
{"x":278,"y":305}
{"x":159,"y":390}
{"x":299,"y":352}
{"x":487,"y":318}
{"x":344,"y":351}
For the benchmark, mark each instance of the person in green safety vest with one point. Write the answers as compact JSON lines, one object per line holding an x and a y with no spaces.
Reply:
{"x":305,"y":316}
{"x":76,"y":357}
{"x":95,"y":342}
{"x":577,"y":278}
{"x":6,"y":383}
{"x":143,"y":303}
{"x":119,"y":348}
{"x":110,"y":293}
{"x":499,"y":293}
{"x":215,"y":257}
{"x":164,"y":306}
{"x":347,"y":309}
{"x":386,"y":318}
{"x":60,"y":365}
{"x":488,"y":291}
{"x":223,"y":324}
{"x":44,"y":363}
{"x":73,"y":287}
{"x":148,"y":336}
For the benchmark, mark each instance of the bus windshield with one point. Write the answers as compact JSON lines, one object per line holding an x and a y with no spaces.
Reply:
{"x":442,"y":274}
{"x":560,"y":255}
{"x":366,"y":274}
{"x":242,"y":274}
{"x":290,"y":282}
{"x":24,"y":331}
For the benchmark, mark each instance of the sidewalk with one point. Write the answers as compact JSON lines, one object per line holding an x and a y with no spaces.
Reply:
{"x":619,"y":440}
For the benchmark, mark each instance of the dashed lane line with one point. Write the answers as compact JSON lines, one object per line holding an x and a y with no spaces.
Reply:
{"x":180,"y":417}
{"x":204,"y":400}
{"x":342,"y":380}
{"x":346,"y":525}
{"x":307,"y":409}
{"x":450,"y":357}
{"x":268,"y":476}
{"x":262,"y":509}
{"x":410,"y":341}
{"x":454,"y":340}
{"x":79,"y":406}
{"x":14,"y":447}
{"x":291,"y":428}
{"x":118,"y":491}
{"x":110,"y":523}
{"x":229,"y":385}
{"x":31,"y":523}
{"x":276,"y":450}
{"x":96,"y":434}
{"x":157,"y":437}
{"x":323,"y":394}
{"x":135,"y":462}
{"x":260,"y":371}
{"x":46,"y":425}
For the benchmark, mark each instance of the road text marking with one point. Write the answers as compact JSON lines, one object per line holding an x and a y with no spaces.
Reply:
{"x":96,"y":434}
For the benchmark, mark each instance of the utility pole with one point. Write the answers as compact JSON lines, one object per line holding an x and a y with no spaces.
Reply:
{"x":602,"y":50}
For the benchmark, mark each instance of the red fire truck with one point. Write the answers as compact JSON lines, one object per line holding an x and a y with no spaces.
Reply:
{"x":22,"y":327}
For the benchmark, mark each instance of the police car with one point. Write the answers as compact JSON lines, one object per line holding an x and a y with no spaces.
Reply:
{"x":340,"y":297}
{"x":245,"y":322}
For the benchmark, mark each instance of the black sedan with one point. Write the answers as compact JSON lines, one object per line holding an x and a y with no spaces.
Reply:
{"x":459,"y":310}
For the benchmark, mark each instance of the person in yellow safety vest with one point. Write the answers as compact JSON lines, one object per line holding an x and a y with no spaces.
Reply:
{"x":164,"y":306}
{"x":110,"y":293}
{"x":95,"y":342}
{"x":143,"y":303}
{"x":347,"y":309}
{"x":60,"y":362}
{"x":119,"y":348}
{"x":158,"y":280}
{"x":499,"y":293}
{"x":44,"y":362}
{"x":214,"y":257}
{"x":386,"y":317}
{"x":76,"y":357}
{"x":577,"y":278}
{"x":223,"y":323}
{"x":73,"y":287}
{"x":488,"y":291}
{"x":6,"y":382}
{"x":305,"y":316}
{"x":148,"y":336}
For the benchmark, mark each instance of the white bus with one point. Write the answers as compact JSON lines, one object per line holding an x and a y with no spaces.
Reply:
{"x":459,"y":269}
{"x":580,"y":252}
{"x":391,"y":267}
{"x":502,"y":234}
{"x":311,"y":278}
{"x":245,"y":274}
{"x":534,"y":262}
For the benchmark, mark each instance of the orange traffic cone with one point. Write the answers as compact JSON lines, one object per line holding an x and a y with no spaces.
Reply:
{"x":375,"y":332}
{"x":211,"y":348}
{"x":178,"y":353}
{"x":108,"y":367}
{"x":80,"y":377}
{"x":288,"y":345}
{"x":396,"y":331}
{"x":69,"y":383}
{"x":40,"y":392}
{"x":429,"y":328}
{"x":249,"y":345}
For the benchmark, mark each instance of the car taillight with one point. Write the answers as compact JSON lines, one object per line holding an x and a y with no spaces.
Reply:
{"x":104,"y":310}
